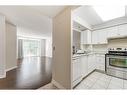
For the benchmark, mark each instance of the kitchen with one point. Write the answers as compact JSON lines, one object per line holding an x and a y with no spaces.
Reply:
{"x":99,"y":47}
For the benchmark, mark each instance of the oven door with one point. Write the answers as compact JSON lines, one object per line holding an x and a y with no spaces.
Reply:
{"x":118,"y":61}
{"x":116,"y":65}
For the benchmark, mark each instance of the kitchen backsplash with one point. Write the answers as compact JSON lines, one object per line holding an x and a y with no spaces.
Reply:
{"x":101,"y":47}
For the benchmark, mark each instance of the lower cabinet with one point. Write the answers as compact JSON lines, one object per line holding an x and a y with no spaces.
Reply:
{"x":84,"y":62}
{"x":77,"y":70}
{"x":91,"y":63}
{"x":88,"y":64}
{"x":100,"y":62}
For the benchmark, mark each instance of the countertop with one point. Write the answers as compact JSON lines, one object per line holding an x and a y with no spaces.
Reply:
{"x":87,"y":54}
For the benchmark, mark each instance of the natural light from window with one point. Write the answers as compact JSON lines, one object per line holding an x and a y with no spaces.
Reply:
{"x":109,"y":12}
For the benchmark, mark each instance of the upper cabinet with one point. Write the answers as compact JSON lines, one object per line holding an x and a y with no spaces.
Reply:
{"x":86,"y":37}
{"x":122,"y":30}
{"x":112,"y":32}
{"x":117,"y":31}
{"x":99,"y":37}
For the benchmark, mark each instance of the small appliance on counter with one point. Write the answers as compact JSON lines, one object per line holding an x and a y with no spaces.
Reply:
{"x":80,"y":52}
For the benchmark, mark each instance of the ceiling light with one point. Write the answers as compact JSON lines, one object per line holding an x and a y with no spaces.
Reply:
{"x":109,"y":12}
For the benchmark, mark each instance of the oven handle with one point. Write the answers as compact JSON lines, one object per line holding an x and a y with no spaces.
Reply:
{"x":118,"y":57}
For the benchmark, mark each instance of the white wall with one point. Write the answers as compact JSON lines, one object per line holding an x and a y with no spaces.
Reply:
{"x":2,"y":46}
{"x":11,"y":46}
{"x":62,"y":52}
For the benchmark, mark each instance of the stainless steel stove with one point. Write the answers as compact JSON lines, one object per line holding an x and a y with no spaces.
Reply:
{"x":116,"y":62}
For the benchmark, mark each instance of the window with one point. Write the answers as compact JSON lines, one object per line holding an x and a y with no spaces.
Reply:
{"x":31,"y":47}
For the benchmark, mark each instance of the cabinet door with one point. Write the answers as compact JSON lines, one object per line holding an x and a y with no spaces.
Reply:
{"x":100,"y":62}
{"x":91,"y":63}
{"x":83,"y":37}
{"x":99,"y":36}
{"x":89,"y":35}
{"x":95,"y":37}
{"x":102,"y":36}
{"x":122,"y":30}
{"x":77,"y":70}
{"x":86,"y":37}
{"x":112,"y":31}
{"x":84,"y":66}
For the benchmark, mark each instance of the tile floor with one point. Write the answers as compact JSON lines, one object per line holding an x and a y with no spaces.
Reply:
{"x":99,"y":80}
{"x":49,"y":86}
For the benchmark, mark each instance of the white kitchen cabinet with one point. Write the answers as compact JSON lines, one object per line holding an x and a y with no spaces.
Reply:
{"x":122,"y":30}
{"x":77,"y":70}
{"x":86,"y":37}
{"x":95,"y":37}
{"x":102,"y":36}
{"x":84,"y":63}
{"x":112,"y":31}
{"x":99,"y":37}
{"x":100,"y":62}
{"x":91,"y":63}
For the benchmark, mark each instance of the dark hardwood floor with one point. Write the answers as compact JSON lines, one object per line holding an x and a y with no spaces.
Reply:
{"x":32,"y":73}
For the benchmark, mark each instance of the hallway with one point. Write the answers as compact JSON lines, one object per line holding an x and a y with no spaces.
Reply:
{"x":32,"y":73}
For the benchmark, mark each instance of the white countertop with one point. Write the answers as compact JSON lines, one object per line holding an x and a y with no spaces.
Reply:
{"x":87,"y":54}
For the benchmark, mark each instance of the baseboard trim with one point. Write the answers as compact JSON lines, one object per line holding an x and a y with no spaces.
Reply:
{"x":58,"y":85}
{"x":9,"y":69}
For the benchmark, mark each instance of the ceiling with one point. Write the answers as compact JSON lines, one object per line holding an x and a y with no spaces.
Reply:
{"x":78,"y":26}
{"x":89,"y":15}
{"x":31,"y":20}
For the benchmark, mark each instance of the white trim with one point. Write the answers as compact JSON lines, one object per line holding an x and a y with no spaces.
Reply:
{"x":58,"y":85}
{"x":3,"y":76}
{"x":9,"y":69}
